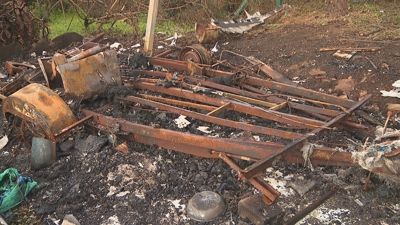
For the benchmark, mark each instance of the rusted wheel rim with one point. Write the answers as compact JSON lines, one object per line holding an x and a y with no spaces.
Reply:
{"x":195,"y":53}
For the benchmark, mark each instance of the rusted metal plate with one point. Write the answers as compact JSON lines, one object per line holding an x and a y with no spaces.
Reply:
{"x":52,"y":77}
{"x":91,"y":75}
{"x":41,"y":106}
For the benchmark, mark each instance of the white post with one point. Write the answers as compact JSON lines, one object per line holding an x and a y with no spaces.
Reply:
{"x":150,"y":28}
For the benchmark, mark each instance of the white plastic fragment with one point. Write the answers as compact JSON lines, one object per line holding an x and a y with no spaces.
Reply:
{"x":215,"y":49}
{"x":3,"y":142}
{"x":136,"y":45}
{"x":358,"y":202}
{"x":122,"y":194}
{"x":181,"y":121}
{"x":176,"y":36}
{"x":2,"y":221}
{"x":257,"y":138}
{"x":393,"y":93}
{"x":116,"y":45}
{"x":396,"y":84}
{"x":204,"y":129}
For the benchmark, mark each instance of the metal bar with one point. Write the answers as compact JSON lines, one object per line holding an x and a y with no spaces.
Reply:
{"x":300,"y":91}
{"x":269,"y":192}
{"x":163,"y":54}
{"x":177,"y":102}
{"x":250,"y":100}
{"x":149,"y":80}
{"x":232,"y":164}
{"x":344,"y":123}
{"x":73,"y":125}
{"x":217,"y":111}
{"x":177,"y":140}
{"x":279,"y":107}
{"x":300,"y":215}
{"x":181,"y":65}
{"x":215,"y":120}
{"x":323,"y":156}
{"x":294,"y":105}
{"x":263,"y":164}
{"x":241,"y":157}
{"x":311,"y":110}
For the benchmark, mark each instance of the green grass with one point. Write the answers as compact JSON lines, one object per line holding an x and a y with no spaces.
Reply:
{"x":70,"y":22}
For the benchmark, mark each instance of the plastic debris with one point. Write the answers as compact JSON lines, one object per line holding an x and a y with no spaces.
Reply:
{"x":116,"y":45}
{"x":204,"y":129}
{"x":182,"y":122}
{"x":3,"y":142}
{"x":13,"y":189}
{"x":358,"y":202}
{"x":393,"y":93}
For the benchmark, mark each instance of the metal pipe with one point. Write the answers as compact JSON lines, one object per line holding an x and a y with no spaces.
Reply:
{"x":73,"y":125}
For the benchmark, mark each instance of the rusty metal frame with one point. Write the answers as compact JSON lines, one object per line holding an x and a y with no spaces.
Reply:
{"x":318,"y":112}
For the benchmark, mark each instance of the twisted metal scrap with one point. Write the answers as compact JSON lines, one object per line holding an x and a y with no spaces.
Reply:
{"x":17,"y":24}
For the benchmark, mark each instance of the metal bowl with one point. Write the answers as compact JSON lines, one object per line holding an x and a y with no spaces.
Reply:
{"x":205,"y":206}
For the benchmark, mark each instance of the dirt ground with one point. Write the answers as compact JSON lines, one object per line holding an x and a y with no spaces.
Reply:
{"x":100,"y":185}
